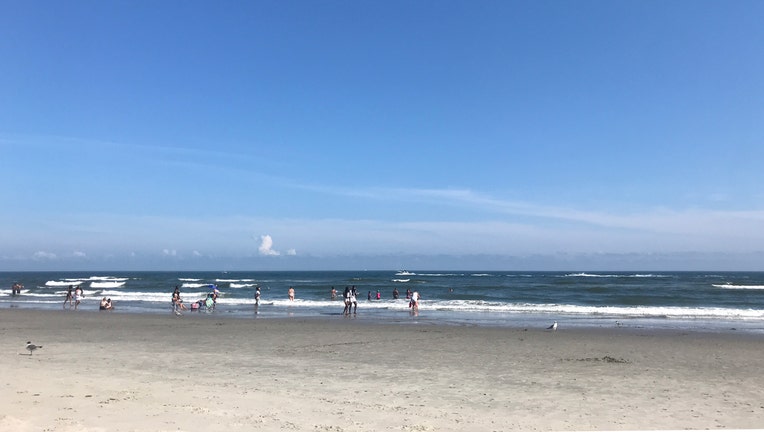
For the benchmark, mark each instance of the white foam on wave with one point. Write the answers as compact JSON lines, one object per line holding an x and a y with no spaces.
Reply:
{"x":153,"y":297}
{"x":594,"y":275}
{"x":107,"y":278}
{"x":401,"y":280}
{"x":189,"y":279}
{"x":588,"y":275}
{"x":634,"y":311}
{"x":242,"y":285}
{"x":106,"y":284}
{"x":196,"y":285}
{"x":740,"y":287}
{"x":67,"y":282}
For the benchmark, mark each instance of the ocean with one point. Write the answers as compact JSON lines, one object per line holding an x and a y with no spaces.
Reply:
{"x":704,"y":301}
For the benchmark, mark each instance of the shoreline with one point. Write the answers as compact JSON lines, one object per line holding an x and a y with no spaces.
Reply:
{"x":435,"y":317}
{"x":125,"y":372}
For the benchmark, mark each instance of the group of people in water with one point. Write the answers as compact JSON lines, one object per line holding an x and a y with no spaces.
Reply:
{"x":350,"y":298}
{"x":75,"y":295}
{"x":73,"y":298}
{"x":16,"y":289}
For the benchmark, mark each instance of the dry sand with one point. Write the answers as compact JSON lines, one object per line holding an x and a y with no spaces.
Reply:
{"x":118,"y":372}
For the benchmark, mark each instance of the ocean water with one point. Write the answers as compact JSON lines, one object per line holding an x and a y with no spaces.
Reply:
{"x":715,"y":301}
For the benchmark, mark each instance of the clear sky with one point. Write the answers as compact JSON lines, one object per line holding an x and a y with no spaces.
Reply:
{"x":262,"y":135}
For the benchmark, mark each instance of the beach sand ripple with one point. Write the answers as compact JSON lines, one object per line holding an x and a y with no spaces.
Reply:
{"x":121,"y":372}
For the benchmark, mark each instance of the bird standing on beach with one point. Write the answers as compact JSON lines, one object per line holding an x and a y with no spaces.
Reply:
{"x":552,"y":327}
{"x":31,"y":347}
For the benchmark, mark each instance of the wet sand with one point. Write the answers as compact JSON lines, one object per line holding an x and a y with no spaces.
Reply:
{"x":103,"y":371}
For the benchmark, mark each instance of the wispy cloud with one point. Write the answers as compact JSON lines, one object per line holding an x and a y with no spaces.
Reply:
{"x":43,"y":255}
{"x":688,"y":220}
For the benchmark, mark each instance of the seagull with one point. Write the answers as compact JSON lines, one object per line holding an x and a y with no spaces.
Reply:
{"x":31,"y":347}
{"x":552,"y":327}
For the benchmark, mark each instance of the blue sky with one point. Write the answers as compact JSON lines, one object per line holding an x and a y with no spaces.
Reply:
{"x":264,"y":135}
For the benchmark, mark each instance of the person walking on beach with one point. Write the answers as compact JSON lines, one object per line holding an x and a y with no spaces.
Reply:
{"x":346,"y":297}
{"x":291,"y":294}
{"x":353,"y":300}
{"x":69,"y":297}
{"x":78,"y":296}
{"x":257,"y":296}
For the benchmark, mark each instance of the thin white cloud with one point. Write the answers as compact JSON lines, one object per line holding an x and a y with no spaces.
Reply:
{"x":43,"y":255}
{"x":657,"y":219}
{"x":169,"y":252}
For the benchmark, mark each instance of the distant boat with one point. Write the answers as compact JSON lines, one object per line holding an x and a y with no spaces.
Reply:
{"x":404,"y":273}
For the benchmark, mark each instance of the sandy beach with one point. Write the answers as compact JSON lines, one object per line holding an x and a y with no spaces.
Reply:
{"x":122,"y":372}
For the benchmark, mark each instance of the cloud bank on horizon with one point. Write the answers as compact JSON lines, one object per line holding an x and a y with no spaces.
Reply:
{"x":379,"y":136}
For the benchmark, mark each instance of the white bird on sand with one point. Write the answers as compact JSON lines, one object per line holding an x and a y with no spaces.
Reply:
{"x":552,"y":327}
{"x":31,"y":347}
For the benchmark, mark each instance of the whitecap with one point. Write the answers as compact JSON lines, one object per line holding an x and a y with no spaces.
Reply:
{"x":740,"y":287}
{"x":106,"y":284}
{"x":67,"y":282}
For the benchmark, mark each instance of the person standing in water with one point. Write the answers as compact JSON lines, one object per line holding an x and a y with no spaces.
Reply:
{"x":291,"y":294}
{"x":78,"y":296}
{"x":69,"y":297}
{"x":346,"y":298}
{"x":414,"y":303}
{"x":353,"y":299}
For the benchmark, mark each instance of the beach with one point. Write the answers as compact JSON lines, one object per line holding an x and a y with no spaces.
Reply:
{"x":108,"y":371}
